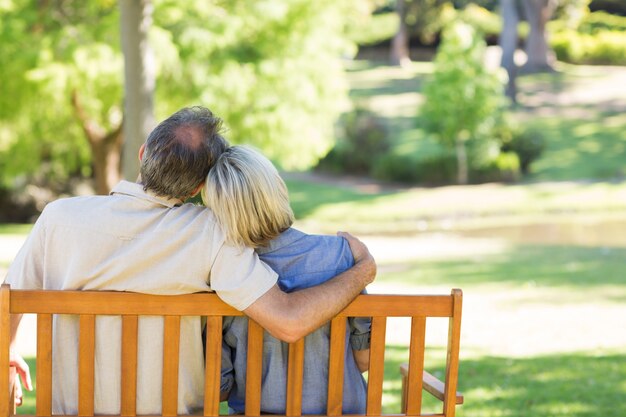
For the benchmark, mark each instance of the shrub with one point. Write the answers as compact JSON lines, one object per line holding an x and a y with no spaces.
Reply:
{"x":436,"y":169}
{"x":504,"y":168}
{"x":396,"y":168}
{"x":486,"y":22}
{"x":364,"y":139}
{"x":600,"y":21}
{"x":527,"y":144}
{"x":601,"y":47}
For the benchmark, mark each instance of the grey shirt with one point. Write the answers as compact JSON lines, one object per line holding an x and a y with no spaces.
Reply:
{"x":301,"y":261}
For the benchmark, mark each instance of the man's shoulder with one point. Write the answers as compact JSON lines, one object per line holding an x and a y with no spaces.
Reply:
{"x":67,"y":205}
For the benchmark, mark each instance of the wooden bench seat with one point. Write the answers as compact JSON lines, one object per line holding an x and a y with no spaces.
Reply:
{"x":88,"y":304}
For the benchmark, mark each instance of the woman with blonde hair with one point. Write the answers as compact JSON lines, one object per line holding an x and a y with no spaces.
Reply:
{"x":251,"y":202}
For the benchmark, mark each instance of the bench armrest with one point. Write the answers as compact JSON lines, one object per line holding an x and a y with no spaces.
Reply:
{"x":431,"y":384}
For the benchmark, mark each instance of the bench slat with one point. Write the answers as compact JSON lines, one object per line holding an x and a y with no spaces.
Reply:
{"x":44,"y":364}
{"x":212,"y":373}
{"x":376,"y":369}
{"x":129,"y":366}
{"x":416,"y":366}
{"x":295,"y":373}
{"x":86,"y":351}
{"x":119,"y":303}
{"x":208,"y":304}
{"x":336,"y":366}
{"x":171,"y":349}
{"x":254,"y":369}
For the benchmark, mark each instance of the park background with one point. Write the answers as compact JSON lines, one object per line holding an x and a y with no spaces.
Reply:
{"x":371,"y":109}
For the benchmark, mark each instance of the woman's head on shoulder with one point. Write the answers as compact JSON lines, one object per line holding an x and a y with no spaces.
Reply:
{"x":248,"y":197}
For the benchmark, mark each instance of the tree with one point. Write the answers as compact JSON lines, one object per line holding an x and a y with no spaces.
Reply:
{"x":399,"y":53}
{"x":66,"y":80}
{"x":139,"y":80}
{"x":508,"y":44}
{"x":416,"y":18}
{"x":540,"y":55}
{"x":271,"y":69}
{"x":463,"y":97}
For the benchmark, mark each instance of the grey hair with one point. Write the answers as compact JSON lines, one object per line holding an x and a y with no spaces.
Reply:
{"x":248,"y":197}
{"x":180,"y":151}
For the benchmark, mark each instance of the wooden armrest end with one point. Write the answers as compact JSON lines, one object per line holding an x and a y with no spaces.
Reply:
{"x":431,"y":384}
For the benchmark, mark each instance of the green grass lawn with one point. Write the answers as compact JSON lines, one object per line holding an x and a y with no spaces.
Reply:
{"x":326,"y":206}
{"x":515,"y":295}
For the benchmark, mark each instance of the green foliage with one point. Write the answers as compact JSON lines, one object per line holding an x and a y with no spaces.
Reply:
{"x":602,"y":47}
{"x":504,"y":168}
{"x":364,"y":139}
{"x":270,"y":68}
{"x":375,"y":29}
{"x":440,"y":168}
{"x":528,"y":144}
{"x":464,"y":99}
{"x":599,"y":21}
{"x":486,"y":22}
{"x":54,"y":51}
{"x":597,"y":38}
{"x":435,"y":169}
{"x":426,"y":18}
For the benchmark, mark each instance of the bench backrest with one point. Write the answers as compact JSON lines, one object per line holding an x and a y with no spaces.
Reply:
{"x":88,"y":304}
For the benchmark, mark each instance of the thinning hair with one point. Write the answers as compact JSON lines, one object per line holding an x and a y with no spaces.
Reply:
{"x":248,"y":197}
{"x":180,"y":151}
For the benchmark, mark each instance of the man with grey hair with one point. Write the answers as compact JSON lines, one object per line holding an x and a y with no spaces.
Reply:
{"x":144,"y":238}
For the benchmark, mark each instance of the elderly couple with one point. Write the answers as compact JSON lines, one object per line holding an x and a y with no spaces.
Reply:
{"x":144,"y":238}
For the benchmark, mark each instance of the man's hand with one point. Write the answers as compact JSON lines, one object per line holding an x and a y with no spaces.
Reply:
{"x":361,"y":254}
{"x":24,"y":375}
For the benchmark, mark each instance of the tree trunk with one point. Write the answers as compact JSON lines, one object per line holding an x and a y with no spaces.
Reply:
{"x":462,"y":171}
{"x":540,"y":56}
{"x":106,"y":160}
{"x":399,"y":53}
{"x":135,"y":21}
{"x":508,"y":44}
{"x":106,"y":148}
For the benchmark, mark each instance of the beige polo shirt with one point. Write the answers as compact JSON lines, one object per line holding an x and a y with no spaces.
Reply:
{"x":133,"y":241}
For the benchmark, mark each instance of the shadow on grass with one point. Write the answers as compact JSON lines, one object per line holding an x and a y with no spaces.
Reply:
{"x":390,"y":86}
{"x":523,"y":264}
{"x":573,"y":385}
{"x":305,"y":196}
{"x":580,"y":149}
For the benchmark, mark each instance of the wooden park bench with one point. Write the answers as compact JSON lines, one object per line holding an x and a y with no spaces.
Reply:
{"x":88,"y":304}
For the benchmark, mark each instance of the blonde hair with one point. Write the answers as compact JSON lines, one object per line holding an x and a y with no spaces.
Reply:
{"x":248,"y":197}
